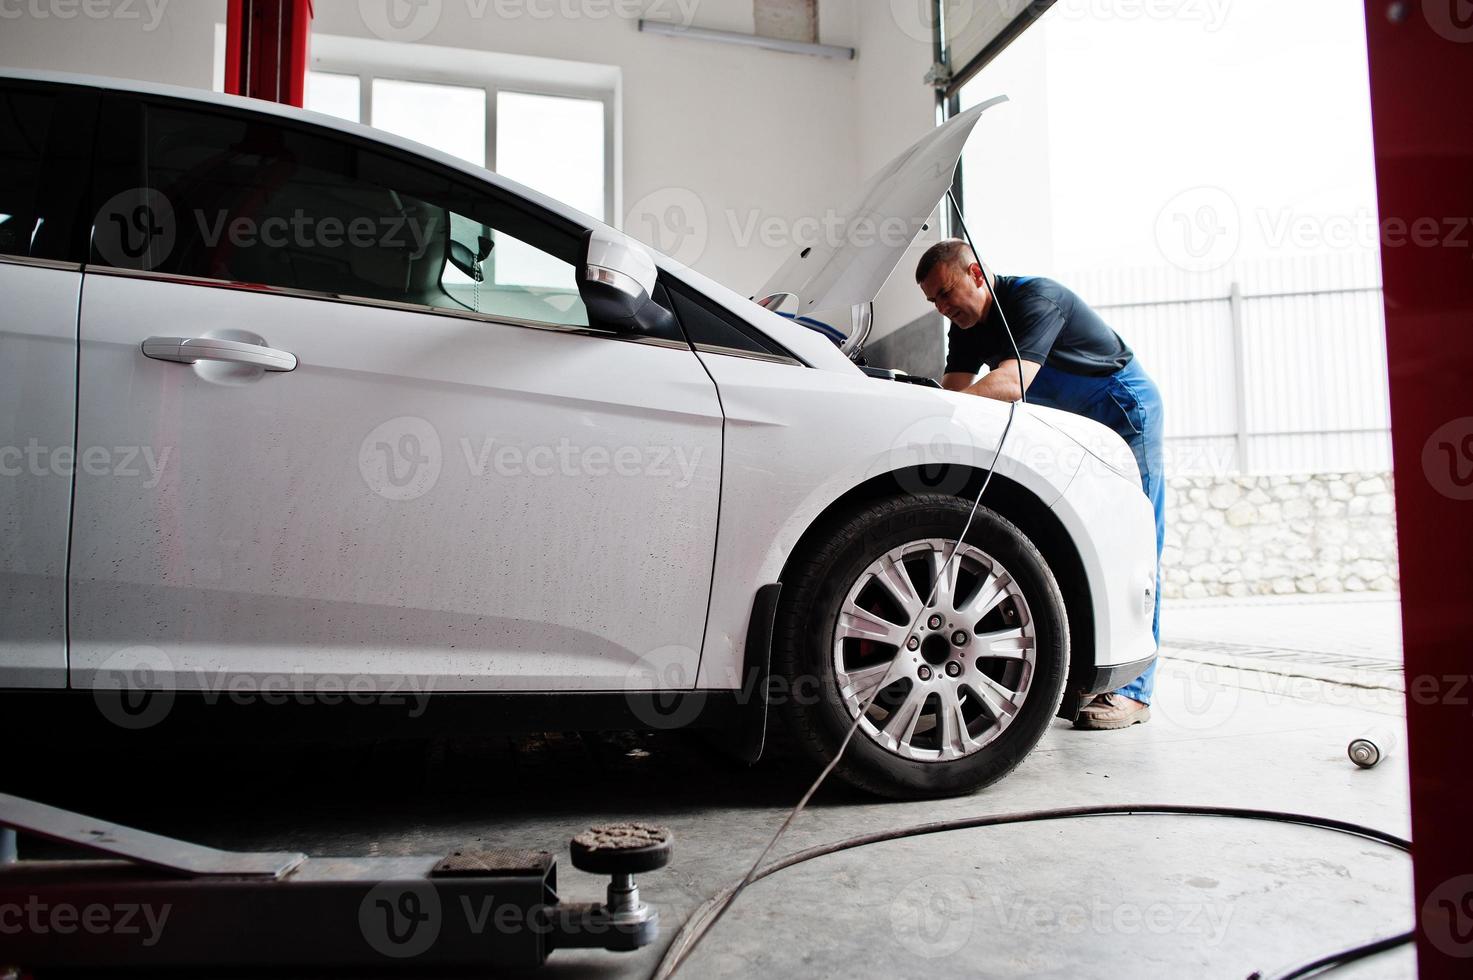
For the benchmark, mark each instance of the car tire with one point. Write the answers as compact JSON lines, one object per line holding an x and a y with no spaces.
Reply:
{"x":959,"y":741}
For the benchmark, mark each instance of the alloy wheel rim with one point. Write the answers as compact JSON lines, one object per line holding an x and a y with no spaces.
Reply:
{"x":952,"y":685}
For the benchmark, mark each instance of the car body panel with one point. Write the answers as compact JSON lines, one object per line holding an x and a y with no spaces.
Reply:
{"x":418,"y":496}
{"x":1113,"y":528}
{"x":38,"y":347}
{"x":798,"y":441}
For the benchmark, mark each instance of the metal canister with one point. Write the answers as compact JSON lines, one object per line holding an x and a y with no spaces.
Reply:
{"x":1372,"y":747}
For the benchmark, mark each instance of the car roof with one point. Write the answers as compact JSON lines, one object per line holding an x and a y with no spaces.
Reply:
{"x":807,"y":344}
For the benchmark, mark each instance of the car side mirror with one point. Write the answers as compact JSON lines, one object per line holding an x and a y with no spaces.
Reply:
{"x":616,"y":280}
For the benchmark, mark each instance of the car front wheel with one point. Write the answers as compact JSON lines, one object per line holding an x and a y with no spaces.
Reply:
{"x":968,"y":656}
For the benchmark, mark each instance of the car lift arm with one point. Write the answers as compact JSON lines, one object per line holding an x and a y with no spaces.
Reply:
{"x":144,"y":900}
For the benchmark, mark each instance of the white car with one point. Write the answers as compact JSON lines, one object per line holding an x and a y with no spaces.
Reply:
{"x":296,"y":409}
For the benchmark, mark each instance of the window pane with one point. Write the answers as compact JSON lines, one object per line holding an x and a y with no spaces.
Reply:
{"x":254,"y":201}
{"x":553,"y":145}
{"x":556,"y":146}
{"x":25,"y":120}
{"x":451,"y":118}
{"x":336,"y":95}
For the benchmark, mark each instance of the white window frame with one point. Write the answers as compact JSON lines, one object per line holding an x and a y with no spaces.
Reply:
{"x":493,"y":72}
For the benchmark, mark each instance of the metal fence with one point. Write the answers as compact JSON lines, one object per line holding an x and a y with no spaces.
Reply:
{"x":1265,"y":368}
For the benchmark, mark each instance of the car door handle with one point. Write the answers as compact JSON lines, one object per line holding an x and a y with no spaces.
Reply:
{"x":187,"y":350}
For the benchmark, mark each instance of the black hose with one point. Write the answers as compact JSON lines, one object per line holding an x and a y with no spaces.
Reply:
{"x":1343,"y":958}
{"x":699,"y":923}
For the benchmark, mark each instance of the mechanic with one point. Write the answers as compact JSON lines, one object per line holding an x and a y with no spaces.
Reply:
{"x":1071,"y":360}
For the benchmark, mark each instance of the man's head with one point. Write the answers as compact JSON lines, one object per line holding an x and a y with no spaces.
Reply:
{"x":954,"y":283}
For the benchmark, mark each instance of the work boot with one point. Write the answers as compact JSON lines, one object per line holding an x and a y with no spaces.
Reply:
{"x":1112,"y":710}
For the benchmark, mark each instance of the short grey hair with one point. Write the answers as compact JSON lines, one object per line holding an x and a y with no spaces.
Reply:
{"x":951,"y":251}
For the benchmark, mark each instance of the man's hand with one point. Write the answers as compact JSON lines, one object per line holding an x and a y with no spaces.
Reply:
{"x":1001,"y":383}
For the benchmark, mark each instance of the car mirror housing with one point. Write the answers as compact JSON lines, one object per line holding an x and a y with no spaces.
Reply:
{"x":616,"y":279}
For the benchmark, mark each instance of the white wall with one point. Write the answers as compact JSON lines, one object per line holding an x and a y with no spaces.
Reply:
{"x":725,"y":148}
{"x":153,"y":40}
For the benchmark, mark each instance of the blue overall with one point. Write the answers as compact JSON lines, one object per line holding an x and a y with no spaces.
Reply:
{"x":1129,"y":403}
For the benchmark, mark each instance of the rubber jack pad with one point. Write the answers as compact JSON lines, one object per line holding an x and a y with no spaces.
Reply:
{"x":622,"y":848}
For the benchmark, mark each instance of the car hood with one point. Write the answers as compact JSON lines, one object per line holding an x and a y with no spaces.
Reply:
{"x":848,"y":269}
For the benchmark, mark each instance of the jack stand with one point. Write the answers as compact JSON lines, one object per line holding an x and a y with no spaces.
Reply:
{"x":141,"y":900}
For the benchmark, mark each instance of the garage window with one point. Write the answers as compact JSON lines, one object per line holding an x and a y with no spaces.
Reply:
{"x":554,"y":138}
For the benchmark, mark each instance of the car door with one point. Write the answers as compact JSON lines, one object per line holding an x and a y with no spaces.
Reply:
{"x":41,"y":163}
{"x":375,"y":434}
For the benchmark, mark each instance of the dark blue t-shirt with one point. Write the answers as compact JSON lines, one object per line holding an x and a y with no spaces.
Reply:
{"x":1051,"y":325}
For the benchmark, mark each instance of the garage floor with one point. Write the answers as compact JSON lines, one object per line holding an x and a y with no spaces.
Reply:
{"x":1139,"y":896}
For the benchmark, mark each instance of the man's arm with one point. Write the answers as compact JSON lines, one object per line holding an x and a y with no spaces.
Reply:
{"x":1000,"y":383}
{"x":958,"y":380}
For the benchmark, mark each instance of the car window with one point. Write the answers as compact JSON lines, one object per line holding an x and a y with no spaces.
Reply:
{"x":25,"y":124}
{"x":707,"y":324}
{"x":242,"y":198}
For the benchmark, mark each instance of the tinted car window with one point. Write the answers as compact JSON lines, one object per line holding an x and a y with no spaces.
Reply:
{"x":706,"y":323}
{"x":25,"y":124}
{"x":252,"y":199}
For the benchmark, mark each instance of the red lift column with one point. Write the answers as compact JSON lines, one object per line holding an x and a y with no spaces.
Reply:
{"x":1421,"y":57}
{"x":266,"y":49}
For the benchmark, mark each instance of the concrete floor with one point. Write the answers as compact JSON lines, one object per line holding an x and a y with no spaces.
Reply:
{"x":1142,"y":896}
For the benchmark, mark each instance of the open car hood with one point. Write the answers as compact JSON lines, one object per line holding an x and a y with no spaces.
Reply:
{"x":838,"y":279}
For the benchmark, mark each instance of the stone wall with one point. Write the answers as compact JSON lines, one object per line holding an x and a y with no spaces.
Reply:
{"x":1279,"y":535}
